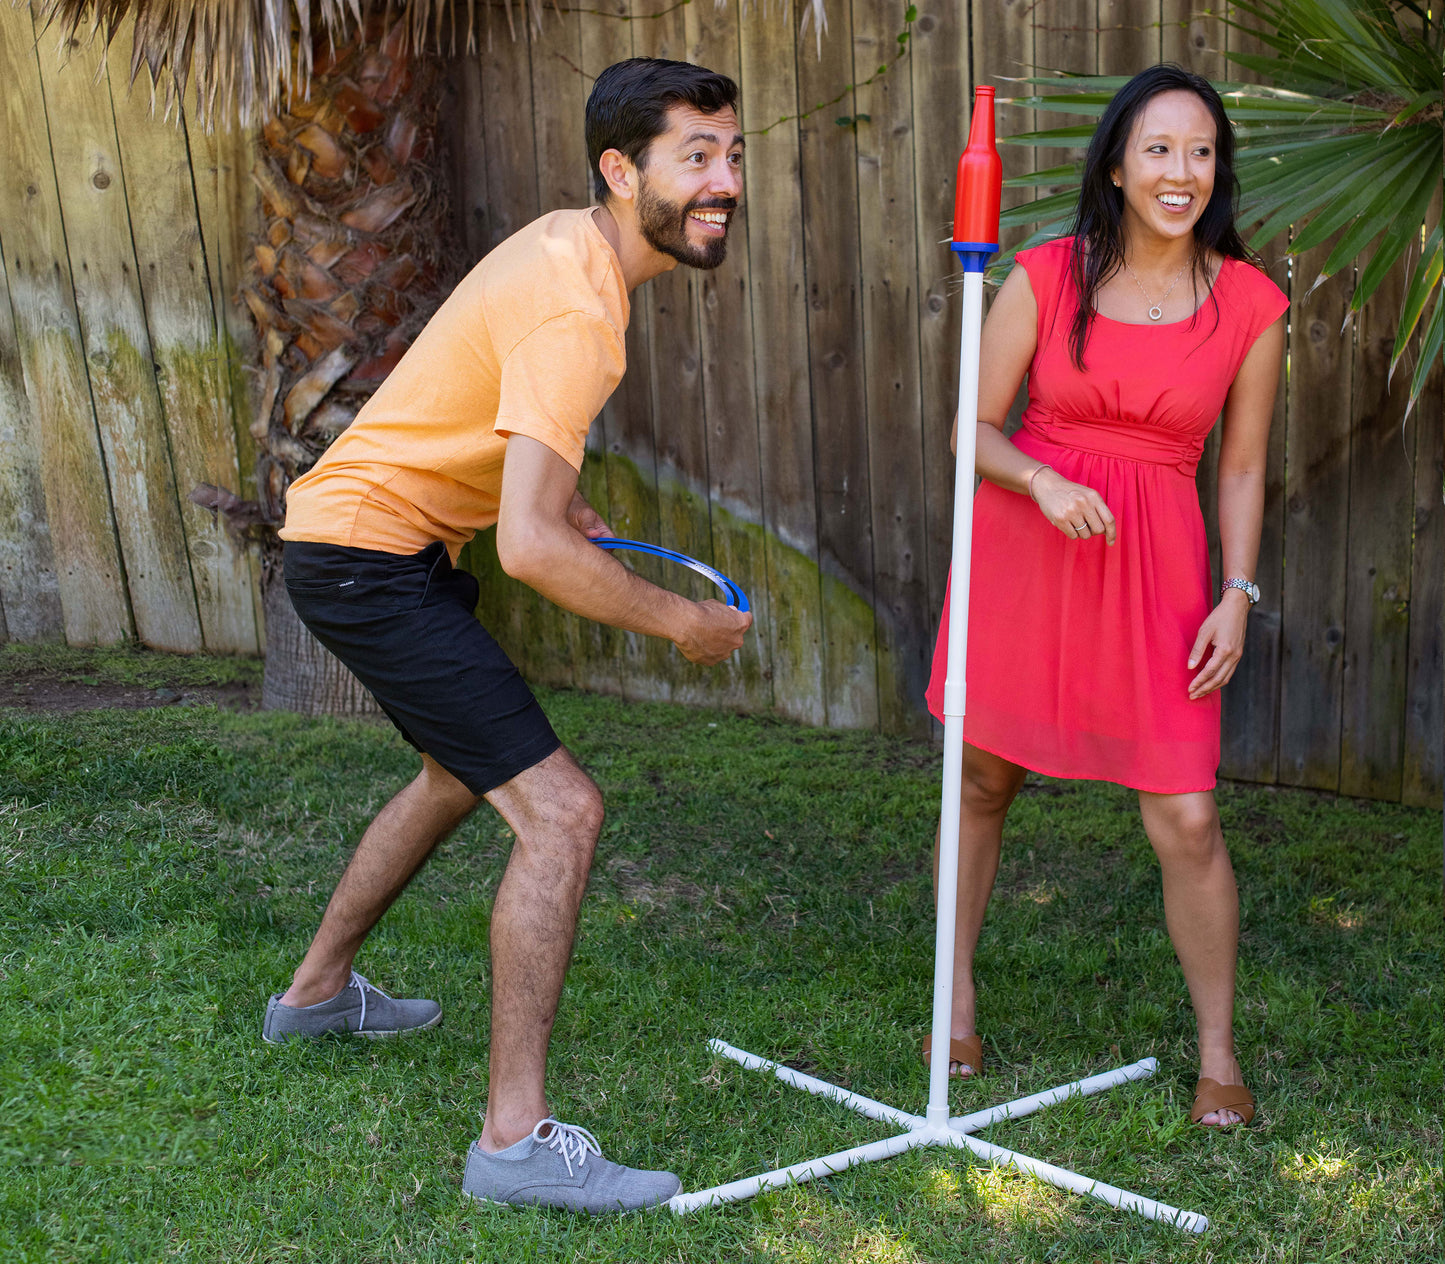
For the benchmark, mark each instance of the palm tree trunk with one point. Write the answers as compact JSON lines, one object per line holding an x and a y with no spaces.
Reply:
{"x":352,"y":263}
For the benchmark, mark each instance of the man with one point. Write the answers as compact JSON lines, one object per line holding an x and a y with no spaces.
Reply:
{"x":483,"y":421}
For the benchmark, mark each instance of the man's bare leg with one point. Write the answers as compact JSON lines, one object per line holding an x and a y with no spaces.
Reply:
{"x":393,"y":848}
{"x":555,"y":811}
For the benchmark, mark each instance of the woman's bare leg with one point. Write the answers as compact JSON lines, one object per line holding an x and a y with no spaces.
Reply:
{"x":1201,"y":909}
{"x":989,"y":786}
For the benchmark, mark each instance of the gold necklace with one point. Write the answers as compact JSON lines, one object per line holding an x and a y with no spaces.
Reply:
{"x":1156,"y":310}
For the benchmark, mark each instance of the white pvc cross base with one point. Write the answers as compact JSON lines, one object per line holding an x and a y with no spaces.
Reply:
{"x":952,"y":1135}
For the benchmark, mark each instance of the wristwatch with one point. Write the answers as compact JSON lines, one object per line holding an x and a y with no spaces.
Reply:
{"x":1248,"y":588}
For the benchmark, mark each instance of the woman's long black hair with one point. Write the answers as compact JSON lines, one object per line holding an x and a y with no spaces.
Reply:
{"x":1098,"y":228}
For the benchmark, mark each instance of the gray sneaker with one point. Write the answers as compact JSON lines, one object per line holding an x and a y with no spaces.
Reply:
{"x":359,"y":1008}
{"x":564,"y":1168}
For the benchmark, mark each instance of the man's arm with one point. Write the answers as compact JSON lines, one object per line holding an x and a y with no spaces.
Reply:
{"x":541,"y":542}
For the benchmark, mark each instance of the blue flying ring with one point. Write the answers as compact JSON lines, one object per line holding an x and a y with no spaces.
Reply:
{"x":736,"y":598}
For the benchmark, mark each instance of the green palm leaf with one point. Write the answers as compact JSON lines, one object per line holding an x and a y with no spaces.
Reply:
{"x":1344,"y":139}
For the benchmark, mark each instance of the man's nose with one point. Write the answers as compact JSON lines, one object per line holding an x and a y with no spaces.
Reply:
{"x":727,"y":180}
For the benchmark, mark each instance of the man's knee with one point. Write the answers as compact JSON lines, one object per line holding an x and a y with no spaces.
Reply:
{"x":445,"y":790}
{"x":554,"y":804}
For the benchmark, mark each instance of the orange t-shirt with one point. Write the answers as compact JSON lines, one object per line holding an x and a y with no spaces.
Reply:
{"x":531,"y":342}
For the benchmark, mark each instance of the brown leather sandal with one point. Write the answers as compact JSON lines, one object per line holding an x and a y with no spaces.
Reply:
{"x":1211,"y":1095}
{"x":967,"y":1050}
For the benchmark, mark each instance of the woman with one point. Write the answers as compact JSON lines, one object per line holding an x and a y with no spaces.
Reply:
{"x":1096,"y":648}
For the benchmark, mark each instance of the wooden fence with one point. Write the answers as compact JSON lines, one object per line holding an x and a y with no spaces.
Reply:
{"x":120,"y":381}
{"x":785,"y":417}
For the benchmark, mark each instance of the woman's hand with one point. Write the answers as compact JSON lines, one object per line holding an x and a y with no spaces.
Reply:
{"x":1078,"y":511}
{"x":1224,"y":630}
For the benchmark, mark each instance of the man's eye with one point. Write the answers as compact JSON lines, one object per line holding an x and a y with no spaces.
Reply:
{"x":736,"y":159}
{"x":697,"y":157}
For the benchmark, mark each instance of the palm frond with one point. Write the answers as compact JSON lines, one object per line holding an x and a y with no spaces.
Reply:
{"x":246,"y":57}
{"x":1344,"y":140}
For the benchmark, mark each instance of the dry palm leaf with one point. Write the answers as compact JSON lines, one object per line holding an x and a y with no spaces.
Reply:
{"x":247,"y":57}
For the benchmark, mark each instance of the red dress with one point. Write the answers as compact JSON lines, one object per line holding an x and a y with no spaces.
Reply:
{"x":1078,"y":652}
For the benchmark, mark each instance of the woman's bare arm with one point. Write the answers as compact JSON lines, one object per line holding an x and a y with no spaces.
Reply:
{"x":1243,"y":450}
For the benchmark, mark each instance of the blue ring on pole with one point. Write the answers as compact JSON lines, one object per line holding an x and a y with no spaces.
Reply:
{"x":975,"y":253}
{"x":736,"y":598}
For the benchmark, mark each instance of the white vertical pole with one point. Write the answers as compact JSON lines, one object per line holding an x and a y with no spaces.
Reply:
{"x":953,"y":695}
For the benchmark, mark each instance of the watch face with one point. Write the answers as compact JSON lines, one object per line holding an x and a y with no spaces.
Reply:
{"x":1252,"y":592}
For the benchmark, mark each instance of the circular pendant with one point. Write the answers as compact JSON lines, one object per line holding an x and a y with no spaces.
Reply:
{"x":1155,"y":313}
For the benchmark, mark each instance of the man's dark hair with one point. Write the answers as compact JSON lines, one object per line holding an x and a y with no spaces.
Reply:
{"x":629,"y":104}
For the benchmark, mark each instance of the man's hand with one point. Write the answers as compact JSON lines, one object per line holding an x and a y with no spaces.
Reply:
{"x":714,"y":632}
{"x":544,"y":534}
{"x":582,"y":517}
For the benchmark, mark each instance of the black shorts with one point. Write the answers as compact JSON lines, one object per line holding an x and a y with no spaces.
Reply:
{"x":403,"y":625}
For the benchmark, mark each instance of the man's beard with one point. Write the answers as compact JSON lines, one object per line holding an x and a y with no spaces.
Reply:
{"x":664,"y":227}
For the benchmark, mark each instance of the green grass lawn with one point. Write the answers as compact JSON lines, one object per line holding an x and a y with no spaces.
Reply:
{"x":161,"y":870}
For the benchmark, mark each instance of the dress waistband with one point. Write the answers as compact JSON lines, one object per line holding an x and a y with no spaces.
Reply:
{"x":1108,"y":436}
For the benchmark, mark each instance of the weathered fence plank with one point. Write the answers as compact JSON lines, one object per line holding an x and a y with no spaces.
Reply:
{"x":29,"y":591}
{"x":471,"y":207}
{"x":730,"y":408}
{"x":228,"y":213}
{"x":773,"y":238}
{"x":1250,"y":740}
{"x":1377,"y":561}
{"x":629,"y":456}
{"x":509,"y":610}
{"x":1423,"y":780}
{"x":561,"y":156}
{"x":679,"y":429}
{"x":91,"y":579}
{"x":190,"y":368}
{"x":1317,"y":487}
{"x":1129,"y":36}
{"x":942,"y":102}
{"x":832,"y":263}
{"x":1194,"y":35}
{"x":118,"y":349}
{"x":888,"y":234}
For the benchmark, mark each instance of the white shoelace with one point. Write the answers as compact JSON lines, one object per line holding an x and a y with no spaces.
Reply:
{"x":569,"y":1140}
{"x":359,"y":982}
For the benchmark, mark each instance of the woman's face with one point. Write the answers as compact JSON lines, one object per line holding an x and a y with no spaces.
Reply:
{"x":1167,"y":175}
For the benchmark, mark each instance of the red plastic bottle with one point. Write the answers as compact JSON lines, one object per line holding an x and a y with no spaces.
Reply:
{"x":980,"y":182}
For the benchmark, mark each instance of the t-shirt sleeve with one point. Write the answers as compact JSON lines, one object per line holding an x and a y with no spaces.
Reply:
{"x":556,"y":379}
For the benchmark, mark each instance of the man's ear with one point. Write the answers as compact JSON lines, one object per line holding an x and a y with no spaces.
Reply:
{"x":618,"y":170}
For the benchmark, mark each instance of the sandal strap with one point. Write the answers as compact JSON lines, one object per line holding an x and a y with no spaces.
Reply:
{"x":967,"y":1050}
{"x":1211,"y":1095}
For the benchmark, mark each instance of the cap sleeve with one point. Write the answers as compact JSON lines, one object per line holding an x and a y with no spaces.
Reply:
{"x":1266,"y":302}
{"x":1047,"y":266}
